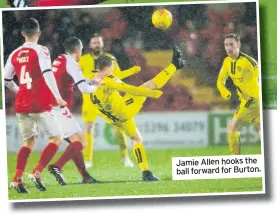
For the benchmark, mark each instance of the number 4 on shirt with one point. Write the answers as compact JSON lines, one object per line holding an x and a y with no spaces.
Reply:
{"x":25,"y":77}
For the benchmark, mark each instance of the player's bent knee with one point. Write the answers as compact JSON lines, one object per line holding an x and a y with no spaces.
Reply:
{"x":138,"y":138}
{"x":56,"y":139}
{"x":117,"y":132}
{"x":78,"y":137}
{"x":30,"y":143}
{"x":149,"y":85}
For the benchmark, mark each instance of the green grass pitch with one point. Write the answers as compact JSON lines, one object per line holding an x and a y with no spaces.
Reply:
{"x":121,"y":181}
{"x":3,"y":3}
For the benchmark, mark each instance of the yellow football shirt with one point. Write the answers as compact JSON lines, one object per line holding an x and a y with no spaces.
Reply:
{"x":244,"y":73}
{"x":87,"y":64}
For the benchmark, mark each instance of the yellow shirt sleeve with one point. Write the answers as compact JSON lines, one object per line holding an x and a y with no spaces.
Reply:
{"x":137,"y":91}
{"x":125,"y":73}
{"x":254,"y":78}
{"x":221,"y":81}
{"x":254,"y":68}
{"x":128,"y":72}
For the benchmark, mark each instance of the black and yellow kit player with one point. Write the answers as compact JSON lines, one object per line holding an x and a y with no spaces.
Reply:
{"x":119,"y":110}
{"x":89,"y":112}
{"x":243,"y":70}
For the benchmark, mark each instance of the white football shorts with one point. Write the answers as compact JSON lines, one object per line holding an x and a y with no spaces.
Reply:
{"x":67,"y":122}
{"x":46,"y":122}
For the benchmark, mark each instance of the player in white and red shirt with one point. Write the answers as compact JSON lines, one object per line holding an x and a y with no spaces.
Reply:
{"x":68,"y":74}
{"x":31,"y":63}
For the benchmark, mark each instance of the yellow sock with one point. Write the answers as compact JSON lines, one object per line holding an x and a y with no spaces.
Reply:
{"x":163,"y":77}
{"x":88,"y":149}
{"x":234,"y":143}
{"x":121,"y":140}
{"x":140,"y":155}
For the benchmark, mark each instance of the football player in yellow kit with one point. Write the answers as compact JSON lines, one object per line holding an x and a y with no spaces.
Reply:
{"x":244,"y":72}
{"x":89,"y":112}
{"x":119,"y":111}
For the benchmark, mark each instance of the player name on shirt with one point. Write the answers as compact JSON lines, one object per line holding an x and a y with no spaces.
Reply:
{"x":23,"y":59}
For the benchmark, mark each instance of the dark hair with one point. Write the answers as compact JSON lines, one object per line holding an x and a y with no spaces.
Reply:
{"x":71,"y":43}
{"x":102,"y":62}
{"x":30,"y":27}
{"x":233,"y":36}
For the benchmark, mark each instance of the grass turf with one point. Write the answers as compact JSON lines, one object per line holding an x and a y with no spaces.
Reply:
{"x":121,"y":181}
{"x":3,"y":4}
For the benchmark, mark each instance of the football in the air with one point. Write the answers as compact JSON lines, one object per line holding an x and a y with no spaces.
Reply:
{"x":162,"y":19}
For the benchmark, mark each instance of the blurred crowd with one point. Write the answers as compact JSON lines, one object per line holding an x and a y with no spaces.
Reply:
{"x":128,"y":33}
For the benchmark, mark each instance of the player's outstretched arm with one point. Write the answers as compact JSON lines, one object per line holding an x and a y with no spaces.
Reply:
{"x":128,"y":72}
{"x":137,"y":91}
{"x":85,"y":85}
{"x":221,"y":80}
{"x":88,"y":87}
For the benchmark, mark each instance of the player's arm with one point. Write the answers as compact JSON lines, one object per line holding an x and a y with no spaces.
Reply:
{"x":137,"y":91}
{"x":253,"y":66}
{"x":46,"y":68}
{"x":128,"y":72}
{"x":125,"y":73}
{"x":76,"y":73}
{"x":221,"y":80}
{"x":9,"y":73}
{"x":82,"y":65}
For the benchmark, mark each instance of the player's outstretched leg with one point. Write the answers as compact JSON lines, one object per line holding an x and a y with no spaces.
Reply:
{"x":164,"y":76}
{"x":156,"y":83}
